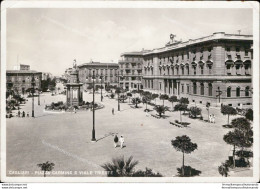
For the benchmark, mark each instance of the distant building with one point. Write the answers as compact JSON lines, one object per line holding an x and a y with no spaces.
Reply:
{"x":109,"y":72}
{"x":46,"y":75}
{"x":20,"y":80}
{"x":130,"y":67}
{"x":22,"y":67}
{"x":215,"y":69}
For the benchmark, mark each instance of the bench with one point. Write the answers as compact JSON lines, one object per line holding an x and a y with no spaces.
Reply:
{"x":177,"y":124}
{"x":156,"y":116}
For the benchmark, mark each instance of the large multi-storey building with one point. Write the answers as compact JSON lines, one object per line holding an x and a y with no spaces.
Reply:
{"x":215,"y":69}
{"x":130,"y":67}
{"x":108,"y":71}
{"x":20,"y":80}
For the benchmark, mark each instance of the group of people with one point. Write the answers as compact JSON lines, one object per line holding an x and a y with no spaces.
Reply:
{"x":212,"y":118}
{"x":22,"y":114}
{"x":121,"y":140}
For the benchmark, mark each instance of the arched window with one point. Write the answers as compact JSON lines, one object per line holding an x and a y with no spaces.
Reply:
{"x":172,"y":70}
{"x":188,"y":70}
{"x":229,"y":92}
{"x":238,"y":91}
{"x":194,"y":88}
{"x":247,"y":91}
{"x":210,"y":89}
{"x":201,"y":89}
{"x":182,"y":70}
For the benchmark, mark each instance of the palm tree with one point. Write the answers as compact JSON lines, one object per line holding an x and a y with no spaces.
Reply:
{"x":164,"y":97}
{"x":48,"y":166}
{"x":129,"y":96}
{"x":173,"y":99}
{"x":136,"y":101}
{"x":120,"y":167}
{"x":180,"y":107}
{"x":223,"y":169}
{"x":184,"y":144}
{"x":160,"y":110}
{"x":146,"y":97}
{"x":154,"y":96}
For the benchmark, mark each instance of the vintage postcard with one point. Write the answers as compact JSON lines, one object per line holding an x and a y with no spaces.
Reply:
{"x":129,"y":91}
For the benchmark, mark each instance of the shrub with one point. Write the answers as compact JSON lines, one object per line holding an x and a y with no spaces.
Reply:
{"x":195,"y":111}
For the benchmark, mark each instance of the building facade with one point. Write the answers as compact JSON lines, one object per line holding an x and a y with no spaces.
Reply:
{"x":20,"y":80}
{"x":215,"y":69}
{"x":107,"y":71}
{"x":130,"y":67}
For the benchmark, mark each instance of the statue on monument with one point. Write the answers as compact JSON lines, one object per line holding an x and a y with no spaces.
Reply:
{"x":74,"y":64}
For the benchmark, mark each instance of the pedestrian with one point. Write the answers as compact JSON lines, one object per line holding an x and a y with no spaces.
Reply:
{"x":23,"y":114}
{"x":115,"y":141}
{"x":213,"y":118}
{"x":28,"y":114}
{"x":113,"y":111}
{"x":19,"y":113}
{"x":121,"y":140}
{"x":210,"y":118}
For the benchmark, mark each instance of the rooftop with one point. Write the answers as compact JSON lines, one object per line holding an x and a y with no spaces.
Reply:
{"x":136,"y":53}
{"x":97,"y":64}
{"x":214,"y":37}
{"x":22,"y":71}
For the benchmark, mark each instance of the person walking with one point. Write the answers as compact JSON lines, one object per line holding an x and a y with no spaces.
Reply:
{"x":23,"y":114}
{"x":115,"y":141}
{"x":28,"y":114}
{"x":121,"y":140}
{"x":19,"y":113}
{"x":113,"y":111}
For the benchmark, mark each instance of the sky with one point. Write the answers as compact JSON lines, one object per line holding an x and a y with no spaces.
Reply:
{"x":50,"y":39}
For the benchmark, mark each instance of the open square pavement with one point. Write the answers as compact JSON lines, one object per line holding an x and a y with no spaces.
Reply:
{"x":65,"y":139}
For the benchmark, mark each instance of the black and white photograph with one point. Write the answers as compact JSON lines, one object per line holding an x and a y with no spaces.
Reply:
{"x":130,"y":92}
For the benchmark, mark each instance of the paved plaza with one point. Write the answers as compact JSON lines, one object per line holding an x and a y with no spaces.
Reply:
{"x":65,"y":139}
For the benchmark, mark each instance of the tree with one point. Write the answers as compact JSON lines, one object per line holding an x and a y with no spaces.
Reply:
{"x":173,"y":99}
{"x":164,"y":97}
{"x":136,"y":101}
{"x":160,"y":110}
{"x":120,"y":167}
{"x":147,"y":173}
{"x":184,"y":145}
{"x":195,"y":111}
{"x":154,"y":96}
{"x":242,"y":124}
{"x":223,"y":169}
{"x":48,"y":166}
{"x":249,"y":114}
{"x":134,"y":92}
{"x":228,"y":110}
{"x":180,"y":107}
{"x":184,"y":100}
{"x":233,"y":138}
{"x":147,"y":96}
{"x":129,"y":96}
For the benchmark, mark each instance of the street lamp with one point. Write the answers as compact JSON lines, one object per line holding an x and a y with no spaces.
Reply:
{"x":101,"y":78}
{"x":219,"y":93}
{"x":33,"y":84}
{"x":93,"y":129}
{"x":121,"y":77}
{"x":39,"y":102}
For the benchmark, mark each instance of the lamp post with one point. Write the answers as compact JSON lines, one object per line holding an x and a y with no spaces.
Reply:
{"x":33,"y":84}
{"x":219,"y":93}
{"x":101,"y":78}
{"x":39,"y":102}
{"x":93,"y":129}
{"x":119,"y":77}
